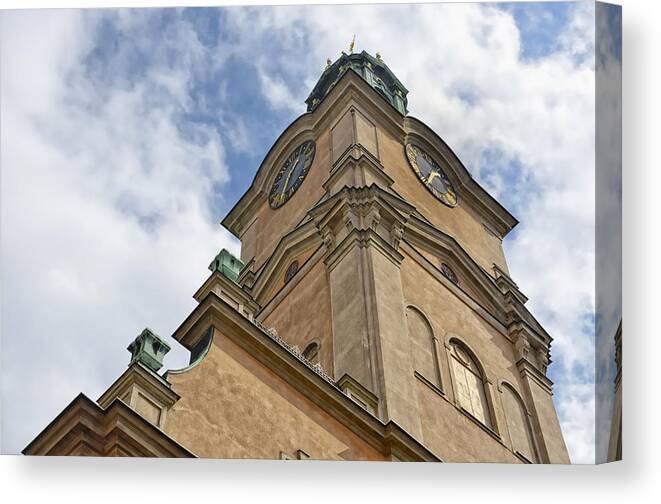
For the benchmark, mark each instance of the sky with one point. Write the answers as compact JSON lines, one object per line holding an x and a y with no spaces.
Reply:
{"x":128,"y":134}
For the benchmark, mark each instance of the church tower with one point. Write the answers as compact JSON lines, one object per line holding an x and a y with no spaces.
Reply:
{"x":371,"y":315}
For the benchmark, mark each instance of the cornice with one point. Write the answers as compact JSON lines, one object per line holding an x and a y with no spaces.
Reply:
{"x":360,"y":163}
{"x":505,"y":283}
{"x":422,"y":233}
{"x":84,"y":422}
{"x":488,"y":314}
{"x":216,"y":279}
{"x":272,"y":352}
{"x":528,"y":369}
{"x":301,"y":238}
{"x":138,"y":374}
{"x":517,"y":313}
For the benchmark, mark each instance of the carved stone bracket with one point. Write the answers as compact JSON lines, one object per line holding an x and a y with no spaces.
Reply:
{"x":521,"y":346}
{"x":367,"y":214}
{"x":328,"y":238}
{"x":530,"y":347}
{"x":350,"y":218}
{"x":373,"y":217}
{"x":396,"y":235}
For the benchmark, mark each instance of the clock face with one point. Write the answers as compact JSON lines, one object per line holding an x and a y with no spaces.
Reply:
{"x":292,"y":173}
{"x":431,"y":175}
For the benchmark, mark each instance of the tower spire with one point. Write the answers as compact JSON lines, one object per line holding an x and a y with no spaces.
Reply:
{"x":372,"y":70}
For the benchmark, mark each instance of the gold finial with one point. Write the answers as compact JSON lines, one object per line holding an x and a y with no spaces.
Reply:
{"x":328,"y":62}
{"x":352,"y":45}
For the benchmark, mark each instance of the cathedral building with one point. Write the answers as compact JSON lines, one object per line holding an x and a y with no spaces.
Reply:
{"x":371,"y":315}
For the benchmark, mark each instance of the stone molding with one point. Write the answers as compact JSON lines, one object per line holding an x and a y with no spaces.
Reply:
{"x":357,"y":167}
{"x":388,"y":437}
{"x":363,"y":212}
{"x":302,"y":238}
{"x":488,"y":313}
{"x":530,"y":346}
{"x":219,"y":283}
{"x":140,"y":387}
{"x":85,"y":428}
{"x":422,"y":234}
{"x":355,"y":390}
{"x":529,"y":370}
{"x":506,"y":284}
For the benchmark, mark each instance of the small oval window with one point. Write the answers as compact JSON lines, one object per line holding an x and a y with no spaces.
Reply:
{"x":449,"y":273}
{"x":291,"y":271}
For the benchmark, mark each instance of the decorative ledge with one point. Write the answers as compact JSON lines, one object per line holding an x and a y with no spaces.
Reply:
{"x":481,"y":425}
{"x":295,"y":351}
{"x":429,"y":384}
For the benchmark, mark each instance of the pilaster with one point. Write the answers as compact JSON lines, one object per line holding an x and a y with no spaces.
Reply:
{"x":370,"y":337}
{"x":531,"y":353}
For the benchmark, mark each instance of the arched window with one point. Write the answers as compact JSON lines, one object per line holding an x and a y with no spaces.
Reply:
{"x":517,"y":423}
{"x":422,"y":345}
{"x":469,"y":382}
{"x":311,"y":352}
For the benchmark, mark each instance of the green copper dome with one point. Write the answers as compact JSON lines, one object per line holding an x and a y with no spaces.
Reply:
{"x":372,"y":70}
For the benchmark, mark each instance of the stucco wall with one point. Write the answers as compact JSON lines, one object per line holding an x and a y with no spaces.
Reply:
{"x":232,"y":406}
{"x":441,"y":418}
{"x":454,"y":437}
{"x":305,"y":314}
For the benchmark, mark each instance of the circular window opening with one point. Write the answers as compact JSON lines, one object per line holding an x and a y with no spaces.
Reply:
{"x":291,"y":271}
{"x":449,"y":274}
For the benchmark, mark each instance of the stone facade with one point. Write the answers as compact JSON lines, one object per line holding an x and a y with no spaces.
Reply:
{"x":369,"y":321}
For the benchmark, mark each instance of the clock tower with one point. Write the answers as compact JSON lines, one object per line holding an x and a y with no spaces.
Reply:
{"x":371,"y":315}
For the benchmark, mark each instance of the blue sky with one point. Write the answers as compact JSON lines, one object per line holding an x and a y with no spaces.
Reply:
{"x":128,"y":134}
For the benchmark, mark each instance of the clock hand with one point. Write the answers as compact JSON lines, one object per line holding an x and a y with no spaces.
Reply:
{"x":432,"y":175}
{"x":284,"y":186}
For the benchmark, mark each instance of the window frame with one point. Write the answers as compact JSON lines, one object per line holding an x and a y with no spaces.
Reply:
{"x":437,"y":380}
{"x":313,"y":345}
{"x":483,"y":378}
{"x":527,"y":418}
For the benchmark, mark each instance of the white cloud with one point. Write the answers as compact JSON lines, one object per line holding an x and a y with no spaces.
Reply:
{"x":113,"y":185}
{"x":576,"y":405}
{"x":106,"y":192}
